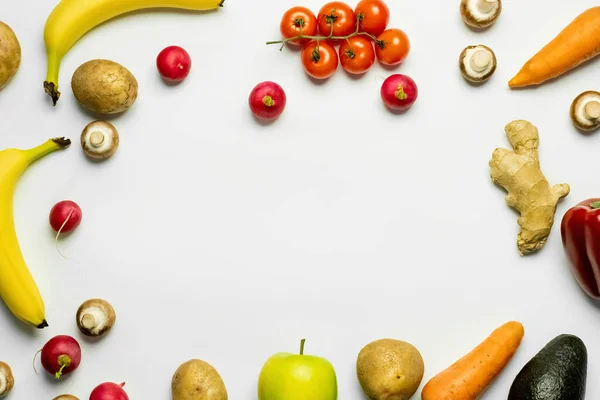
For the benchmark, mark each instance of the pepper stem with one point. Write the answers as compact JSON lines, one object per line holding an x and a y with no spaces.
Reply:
{"x":268,"y":101}
{"x":64,"y":361}
{"x":400,"y":93}
{"x":595,"y":205}
{"x":302,"y":346}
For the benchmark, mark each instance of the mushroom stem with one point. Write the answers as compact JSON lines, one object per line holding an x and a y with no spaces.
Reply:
{"x":592,"y":110}
{"x":88,"y":321}
{"x":480,"y":60}
{"x":96,"y":138}
{"x":486,"y":6}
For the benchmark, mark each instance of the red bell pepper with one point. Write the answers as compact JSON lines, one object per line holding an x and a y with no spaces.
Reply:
{"x":580,"y":230}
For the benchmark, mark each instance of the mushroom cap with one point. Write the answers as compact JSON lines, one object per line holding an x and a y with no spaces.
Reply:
{"x":477,"y":63}
{"x":95,"y":317}
{"x":585,"y":111}
{"x":66,"y":397}
{"x":99,"y":139}
{"x":480,"y":13}
{"x":7,"y":381}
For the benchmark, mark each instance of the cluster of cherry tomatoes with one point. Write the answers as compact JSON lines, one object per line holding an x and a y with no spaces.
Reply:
{"x":361,"y":34}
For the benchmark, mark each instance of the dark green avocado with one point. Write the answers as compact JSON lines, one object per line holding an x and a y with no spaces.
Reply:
{"x":557,"y":372}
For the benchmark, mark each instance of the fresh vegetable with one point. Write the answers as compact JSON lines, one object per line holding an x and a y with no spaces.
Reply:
{"x":580,"y":232}
{"x":574,"y":45}
{"x":61,"y":355}
{"x":320,"y":60}
{"x":336,"y":19}
{"x":66,"y":397}
{"x":286,"y":376}
{"x":109,"y":391}
{"x":95,"y":317}
{"x":65,"y":216}
{"x":104,"y":87}
{"x":72,"y":19}
{"x":357,"y":55}
{"x":267,"y":100}
{"x":557,"y":372}
{"x":480,"y":13}
{"x":197,"y":380}
{"x":174,"y":64}
{"x":373,"y":16}
{"x":585,"y":111}
{"x":392,"y":47}
{"x":17,"y":287}
{"x":298,"y":21}
{"x":7,"y":380}
{"x":477,"y":63}
{"x":471,"y":375}
{"x":399,"y":92}
{"x":10,"y":54}
{"x":520,"y":174}
{"x":389,"y":369}
{"x":99,"y":140}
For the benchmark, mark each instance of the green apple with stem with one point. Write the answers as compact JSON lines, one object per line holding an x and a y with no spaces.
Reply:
{"x":287,"y":376}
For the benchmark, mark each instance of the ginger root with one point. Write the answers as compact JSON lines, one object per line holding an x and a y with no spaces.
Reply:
{"x":519,"y":173}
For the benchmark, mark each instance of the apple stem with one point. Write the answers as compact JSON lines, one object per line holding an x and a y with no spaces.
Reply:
{"x":302,"y":346}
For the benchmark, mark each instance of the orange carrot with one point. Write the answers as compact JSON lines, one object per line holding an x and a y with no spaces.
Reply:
{"x":470,"y":376}
{"x":575,"y":44}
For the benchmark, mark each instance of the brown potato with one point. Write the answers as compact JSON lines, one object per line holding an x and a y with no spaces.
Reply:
{"x":197,"y":380}
{"x":10,"y":54}
{"x":104,"y":87}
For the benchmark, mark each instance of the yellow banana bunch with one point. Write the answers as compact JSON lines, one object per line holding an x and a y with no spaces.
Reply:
{"x":71,"y":19}
{"x":17,"y":287}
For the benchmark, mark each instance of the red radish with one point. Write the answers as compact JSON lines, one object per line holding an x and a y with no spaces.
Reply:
{"x":174,"y":64}
{"x":399,"y":92}
{"x":61,"y":355}
{"x":267,"y":100}
{"x":109,"y":391}
{"x":65,"y":216}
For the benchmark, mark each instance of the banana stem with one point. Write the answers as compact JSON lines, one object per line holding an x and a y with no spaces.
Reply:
{"x":46,"y":148}
{"x":51,"y":83}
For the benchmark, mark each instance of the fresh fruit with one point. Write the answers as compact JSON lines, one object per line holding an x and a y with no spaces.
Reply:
{"x":469,"y":377}
{"x":585,"y":111}
{"x":557,"y":372}
{"x":320,"y":60}
{"x":480,"y":14}
{"x":373,"y":16}
{"x":95,"y":317}
{"x":267,"y":100}
{"x":197,"y":380}
{"x":99,"y":140}
{"x":399,"y":92}
{"x":10,"y":54}
{"x":109,"y":391}
{"x":7,"y":380}
{"x":336,"y":19}
{"x":61,"y":355}
{"x":71,"y":19}
{"x":477,"y":63}
{"x":298,"y":21}
{"x":357,"y":55}
{"x":174,"y":64}
{"x":392,"y":47}
{"x":17,"y":287}
{"x":389,"y":369}
{"x":65,"y":216}
{"x":104,"y":87}
{"x":287,"y":376}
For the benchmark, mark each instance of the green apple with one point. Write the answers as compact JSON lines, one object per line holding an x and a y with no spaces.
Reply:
{"x":287,"y":376}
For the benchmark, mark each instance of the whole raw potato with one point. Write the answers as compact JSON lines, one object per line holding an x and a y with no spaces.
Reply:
{"x":10,"y":54}
{"x":389,"y":369}
{"x":104,"y":87}
{"x":197,"y":380}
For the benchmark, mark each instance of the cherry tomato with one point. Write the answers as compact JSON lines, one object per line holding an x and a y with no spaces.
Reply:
{"x":298,"y":21}
{"x":373,"y":16}
{"x":392,"y":47}
{"x":357,"y":55}
{"x":320,"y":60}
{"x":339,"y":16}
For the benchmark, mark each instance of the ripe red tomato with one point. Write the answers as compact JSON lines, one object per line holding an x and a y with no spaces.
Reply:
{"x":320,"y":60}
{"x":392,"y":47}
{"x":298,"y":21}
{"x":357,"y":55}
{"x":373,"y":16}
{"x":339,"y":16}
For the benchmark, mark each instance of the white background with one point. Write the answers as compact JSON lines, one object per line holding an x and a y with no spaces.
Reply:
{"x":219,"y":238}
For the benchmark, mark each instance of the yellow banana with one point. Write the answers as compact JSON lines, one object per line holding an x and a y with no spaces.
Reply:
{"x":71,"y":19}
{"x":17,"y":287}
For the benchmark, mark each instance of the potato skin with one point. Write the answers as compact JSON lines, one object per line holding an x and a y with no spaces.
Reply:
{"x":104,"y":87}
{"x":197,"y":380}
{"x":10,"y":54}
{"x":389,"y":369}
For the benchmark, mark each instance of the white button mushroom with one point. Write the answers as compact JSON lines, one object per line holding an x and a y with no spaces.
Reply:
{"x":95,"y":317}
{"x":99,"y":139}
{"x":477,"y":63}
{"x":585,"y":111}
{"x":7,"y":380}
{"x":480,"y":13}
